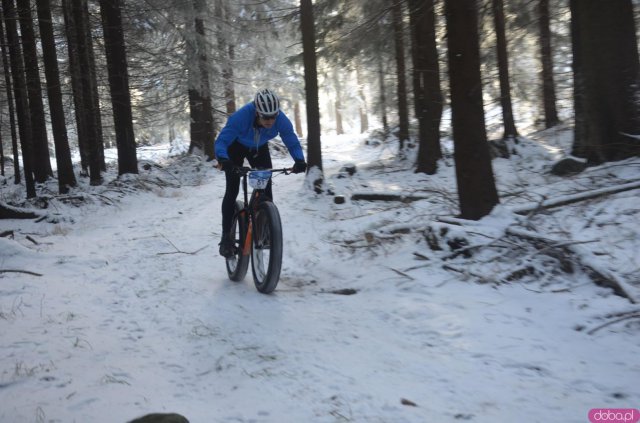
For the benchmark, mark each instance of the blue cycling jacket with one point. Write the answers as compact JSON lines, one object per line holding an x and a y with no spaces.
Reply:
{"x":242,"y":127}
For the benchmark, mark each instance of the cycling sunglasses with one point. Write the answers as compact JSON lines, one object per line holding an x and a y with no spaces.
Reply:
{"x":268,"y":117}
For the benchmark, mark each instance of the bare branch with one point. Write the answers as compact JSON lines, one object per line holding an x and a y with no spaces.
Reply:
{"x":20,"y":271}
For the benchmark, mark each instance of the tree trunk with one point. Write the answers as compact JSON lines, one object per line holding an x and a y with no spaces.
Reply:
{"x":546,"y":58}
{"x":20,"y":91}
{"x":338,"y":102}
{"x":228,"y":55}
{"x":426,"y":84}
{"x":229,"y":84}
{"x":76,"y":20}
{"x":314,"y":149}
{"x":75,"y":72}
{"x":119,"y":86}
{"x":383,"y":95}
{"x":1,"y":155}
{"x":89,"y":91}
{"x":297,"y":118}
{"x":476,"y":185}
{"x":41,"y":162}
{"x":401,"y":70}
{"x":10,"y":100}
{"x":364,"y":113}
{"x":510,"y":131}
{"x":202,"y":125}
{"x":93,"y":84}
{"x":66,"y":177}
{"x":606,"y":80}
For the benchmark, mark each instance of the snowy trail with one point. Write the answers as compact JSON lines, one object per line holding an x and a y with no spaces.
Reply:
{"x":121,"y":324}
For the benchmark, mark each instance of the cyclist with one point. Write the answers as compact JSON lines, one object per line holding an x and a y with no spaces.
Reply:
{"x":246,"y":135}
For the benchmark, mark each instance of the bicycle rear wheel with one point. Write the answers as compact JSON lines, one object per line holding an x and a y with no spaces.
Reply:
{"x":266,"y":249}
{"x":238,"y":264}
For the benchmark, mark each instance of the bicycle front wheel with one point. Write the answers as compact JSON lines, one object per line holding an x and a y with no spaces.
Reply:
{"x":238,"y":264}
{"x":266,"y":249}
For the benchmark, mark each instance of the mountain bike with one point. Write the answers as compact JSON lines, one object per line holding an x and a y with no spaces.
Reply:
{"x":256,"y":232}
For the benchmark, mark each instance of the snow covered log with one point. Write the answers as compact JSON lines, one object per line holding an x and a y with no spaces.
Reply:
{"x":376,"y":196}
{"x":569,"y":199}
{"x":9,"y":212}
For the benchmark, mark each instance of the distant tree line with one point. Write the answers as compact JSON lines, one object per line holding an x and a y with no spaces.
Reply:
{"x":95,"y":74}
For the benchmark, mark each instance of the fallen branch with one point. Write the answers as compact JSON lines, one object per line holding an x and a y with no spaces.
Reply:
{"x":183,"y":252}
{"x":420,"y":256}
{"x":373,"y":196}
{"x":482,"y":278}
{"x":179,"y":251}
{"x":621,"y":319}
{"x":569,"y":199}
{"x":599,"y":274}
{"x":20,"y":271}
{"x":401,"y":273}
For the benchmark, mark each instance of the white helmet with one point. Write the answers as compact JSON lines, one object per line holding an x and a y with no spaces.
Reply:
{"x":266,"y":102}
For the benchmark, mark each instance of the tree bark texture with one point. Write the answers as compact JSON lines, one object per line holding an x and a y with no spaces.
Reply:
{"x":314,"y":150}
{"x":476,"y":185}
{"x":20,"y":91}
{"x":76,"y":84}
{"x":363,"y":109}
{"x":546,"y":59}
{"x":227,"y":50}
{"x":119,"y":85}
{"x":202,"y":125}
{"x":66,"y":177}
{"x":426,"y":84}
{"x":383,"y":94}
{"x":297,"y":119}
{"x":401,"y":70}
{"x":41,"y":162}
{"x":338,"y":102}
{"x":77,"y":28}
{"x":606,"y":80}
{"x":12,"y":121}
{"x":510,"y":130}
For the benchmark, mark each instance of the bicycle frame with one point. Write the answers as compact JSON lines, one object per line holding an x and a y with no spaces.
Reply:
{"x":250,"y":205}
{"x":257,"y":234}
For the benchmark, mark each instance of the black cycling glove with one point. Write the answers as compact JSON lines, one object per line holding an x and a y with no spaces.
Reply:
{"x":227,"y":165}
{"x":300,"y":166}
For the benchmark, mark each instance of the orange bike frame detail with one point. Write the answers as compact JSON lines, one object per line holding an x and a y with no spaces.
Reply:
{"x":246,"y":250}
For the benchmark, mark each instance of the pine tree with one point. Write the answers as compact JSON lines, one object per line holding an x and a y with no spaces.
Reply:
{"x":20,"y":88}
{"x":476,"y":185}
{"x":606,"y":80}
{"x":426,"y":84}
{"x":119,"y":85}
{"x":314,"y":149}
{"x":66,"y":177}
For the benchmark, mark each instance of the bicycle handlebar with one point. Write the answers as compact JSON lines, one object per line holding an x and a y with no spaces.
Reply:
{"x":245,"y":170}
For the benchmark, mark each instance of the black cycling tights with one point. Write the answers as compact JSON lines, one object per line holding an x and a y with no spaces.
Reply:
{"x":260,"y":159}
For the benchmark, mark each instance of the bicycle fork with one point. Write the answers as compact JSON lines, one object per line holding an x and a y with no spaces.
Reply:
{"x":253,"y":205}
{"x":246,"y":248}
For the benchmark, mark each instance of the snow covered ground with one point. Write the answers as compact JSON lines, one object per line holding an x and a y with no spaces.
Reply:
{"x":131,"y":311}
